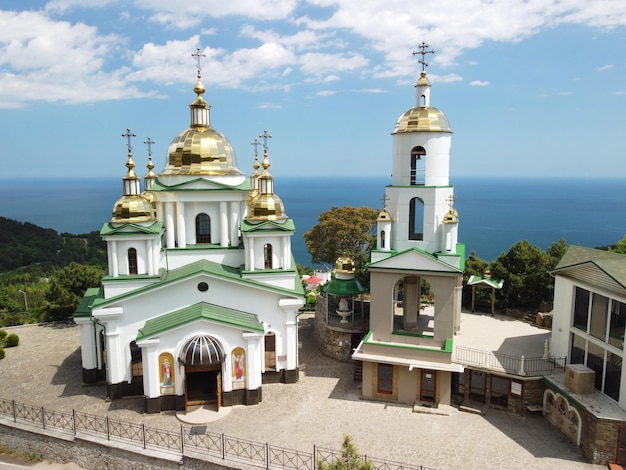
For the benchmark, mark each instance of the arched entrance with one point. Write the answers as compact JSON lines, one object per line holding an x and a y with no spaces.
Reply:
{"x":202,"y":357}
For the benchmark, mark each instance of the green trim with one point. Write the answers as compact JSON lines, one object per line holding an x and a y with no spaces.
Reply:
{"x":122,"y":229}
{"x":157,"y":186}
{"x":201,"y":311}
{"x":286,"y":225}
{"x":447,"y":349}
{"x":91,"y":295}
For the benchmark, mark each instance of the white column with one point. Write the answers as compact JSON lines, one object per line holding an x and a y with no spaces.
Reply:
{"x":290,"y":307}
{"x":223,"y":224}
{"x":254,"y":351}
{"x":234,"y":223}
{"x":149,"y":260}
{"x":170,"y":232}
{"x":180,"y":225}
{"x":150,"y":359}
{"x":88,"y":340}
{"x":113,"y":266}
{"x":286,"y":252}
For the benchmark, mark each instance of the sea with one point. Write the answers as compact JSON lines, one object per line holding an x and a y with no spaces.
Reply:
{"x":494,"y":212}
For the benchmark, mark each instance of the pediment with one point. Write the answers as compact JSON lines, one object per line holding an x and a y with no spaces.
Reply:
{"x":414,"y":260}
{"x":204,"y":184}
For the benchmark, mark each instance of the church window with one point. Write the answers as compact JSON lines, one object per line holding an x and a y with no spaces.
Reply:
{"x":203,"y":228}
{"x":385,"y":379}
{"x":270,"y":351}
{"x":132,"y":261}
{"x":416,"y":219}
{"x":418,"y":165}
{"x":267,"y":256}
{"x":136,"y":360}
{"x":382,"y":240}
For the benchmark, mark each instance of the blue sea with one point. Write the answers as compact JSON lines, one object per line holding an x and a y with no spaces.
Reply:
{"x":494,"y":213}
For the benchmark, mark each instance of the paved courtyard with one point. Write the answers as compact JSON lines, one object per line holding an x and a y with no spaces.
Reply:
{"x":45,"y":370}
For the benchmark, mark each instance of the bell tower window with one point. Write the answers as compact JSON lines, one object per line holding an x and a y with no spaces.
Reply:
{"x":132,"y":261}
{"x":203,"y":228}
{"x":267,"y":256}
{"x":418,"y":165}
{"x":416,"y":219}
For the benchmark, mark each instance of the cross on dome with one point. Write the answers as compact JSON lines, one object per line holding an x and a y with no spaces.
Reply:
{"x":149,"y":144}
{"x":129,"y":135}
{"x":256,"y":144}
{"x":265,"y":136}
{"x":384,"y":198}
{"x":423,"y":46}
{"x":450,"y":200}
{"x":198,"y":55}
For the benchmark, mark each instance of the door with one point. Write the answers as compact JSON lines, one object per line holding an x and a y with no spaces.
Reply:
{"x":270,"y":351}
{"x":477,"y":386}
{"x":428,"y":388}
{"x":203,"y":386}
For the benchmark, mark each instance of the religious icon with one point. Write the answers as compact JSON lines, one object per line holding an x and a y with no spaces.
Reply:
{"x":239,"y":368}
{"x":166,"y":374}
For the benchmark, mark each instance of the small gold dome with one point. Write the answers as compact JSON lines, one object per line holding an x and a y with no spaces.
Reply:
{"x":132,"y":209}
{"x":451,"y":217}
{"x":266,"y":207}
{"x":384,"y":216}
{"x":344,"y":264}
{"x":422,"y":119}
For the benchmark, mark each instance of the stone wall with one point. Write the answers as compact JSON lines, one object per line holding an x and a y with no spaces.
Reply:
{"x":91,"y":455}
{"x":599,"y":438}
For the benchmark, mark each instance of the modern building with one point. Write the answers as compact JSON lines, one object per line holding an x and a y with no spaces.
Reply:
{"x":200,"y":302}
{"x":407,"y":354}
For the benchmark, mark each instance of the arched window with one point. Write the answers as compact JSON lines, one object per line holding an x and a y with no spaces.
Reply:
{"x":418,"y":165}
{"x":132,"y":261}
{"x":267,"y":256}
{"x":382,"y":240}
{"x":203,"y":228}
{"x":416,"y":219}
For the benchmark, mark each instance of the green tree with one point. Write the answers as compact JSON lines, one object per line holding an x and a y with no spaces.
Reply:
{"x":620,"y":247}
{"x":67,"y":287}
{"x":349,"y":460}
{"x":343,"y":231}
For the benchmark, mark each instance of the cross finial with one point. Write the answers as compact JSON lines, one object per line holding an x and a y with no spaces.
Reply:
{"x":450,"y":200}
{"x":256,"y":144}
{"x":129,"y":135}
{"x":149,"y":143}
{"x":385,"y":198}
{"x":198,"y":55}
{"x":423,"y":46}
{"x":265,"y":136}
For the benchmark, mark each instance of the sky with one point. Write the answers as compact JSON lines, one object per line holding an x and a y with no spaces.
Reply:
{"x":530,"y":87}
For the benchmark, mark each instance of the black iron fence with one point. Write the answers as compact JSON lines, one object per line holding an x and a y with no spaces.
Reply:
{"x":515,"y":365}
{"x":195,"y":438}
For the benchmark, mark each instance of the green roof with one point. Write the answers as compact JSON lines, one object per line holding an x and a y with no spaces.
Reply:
{"x":109,"y":229}
{"x":578,"y":260}
{"x":485,"y":281}
{"x":287,"y":225}
{"x":211,"y":268}
{"x":157,"y":186}
{"x":84,"y":308}
{"x":344,"y":287}
{"x":200,"y":311}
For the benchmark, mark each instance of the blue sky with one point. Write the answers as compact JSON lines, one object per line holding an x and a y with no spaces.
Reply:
{"x":531,"y":87}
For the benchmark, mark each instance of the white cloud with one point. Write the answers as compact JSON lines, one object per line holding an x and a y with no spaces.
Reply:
{"x":479,"y":83}
{"x":326,"y":93}
{"x":605,"y":67}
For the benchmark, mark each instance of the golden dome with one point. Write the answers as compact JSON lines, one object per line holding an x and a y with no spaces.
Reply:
{"x":266,"y":207}
{"x":384,"y":216}
{"x":422,"y":119}
{"x":451,"y":217}
{"x":132,"y":209}
{"x":344,"y":264}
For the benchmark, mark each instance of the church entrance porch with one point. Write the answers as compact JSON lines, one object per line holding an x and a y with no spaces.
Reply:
{"x":203,"y":386}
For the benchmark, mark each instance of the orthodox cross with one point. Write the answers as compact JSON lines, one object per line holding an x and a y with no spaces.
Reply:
{"x":423,"y":46}
{"x":129,"y":135}
{"x":385,"y":198}
{"x":265,"y":136}
{"x":198,"y":55}
{"x":256,"y":144}
{"x":149,"y":144}
{"x":450,"y":200}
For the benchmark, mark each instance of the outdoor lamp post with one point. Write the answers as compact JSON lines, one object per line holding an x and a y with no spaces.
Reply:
{"x":25,"y":301}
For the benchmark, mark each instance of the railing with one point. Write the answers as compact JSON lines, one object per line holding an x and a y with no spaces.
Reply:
{"x":515,"y":365}
{"x":194,"y":438}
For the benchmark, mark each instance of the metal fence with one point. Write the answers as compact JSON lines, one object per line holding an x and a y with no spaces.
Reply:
{"x":515,"y":365}
{"x":193,"y":438}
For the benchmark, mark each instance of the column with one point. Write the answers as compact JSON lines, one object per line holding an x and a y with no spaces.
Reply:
{"x":234,"y":223}
{"x":149,"y":258}
{"x":170,"y":232}
{"x":223,"y":224}
{"x":180,"y":225}
{"x":113,"y":264}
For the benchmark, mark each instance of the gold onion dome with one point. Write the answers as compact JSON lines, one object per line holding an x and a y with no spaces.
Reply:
{"x":132,"y":207}
{"x":451,"y":217}
{"x":266,"y":205}
{"x":384,"y":216}
{"x":422,"y":118}
{"x":200,"y":149}
{"x":344,"y":264}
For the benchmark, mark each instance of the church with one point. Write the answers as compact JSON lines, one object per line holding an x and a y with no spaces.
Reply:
{"x":199,"y":305}
{"x":407,"y":353}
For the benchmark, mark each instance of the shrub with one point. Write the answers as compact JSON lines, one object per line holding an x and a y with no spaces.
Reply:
{"x":11,"y":341}
{"x":3,"y":334}
{"x":1,"y":353}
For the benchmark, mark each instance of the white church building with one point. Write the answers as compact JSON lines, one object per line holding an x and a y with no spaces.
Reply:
{"x":200,"y":302}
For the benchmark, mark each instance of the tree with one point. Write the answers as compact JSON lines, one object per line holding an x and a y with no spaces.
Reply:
{"x":620,"y":247}
{"x":343,"y":231}
{"x":349,"y":460}
{"x":67,"y":287}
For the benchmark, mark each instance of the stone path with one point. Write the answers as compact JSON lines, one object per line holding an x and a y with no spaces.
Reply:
{"x":45,"y":370}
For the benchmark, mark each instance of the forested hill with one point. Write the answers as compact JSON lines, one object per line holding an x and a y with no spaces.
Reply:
{"x":23,"y":243}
